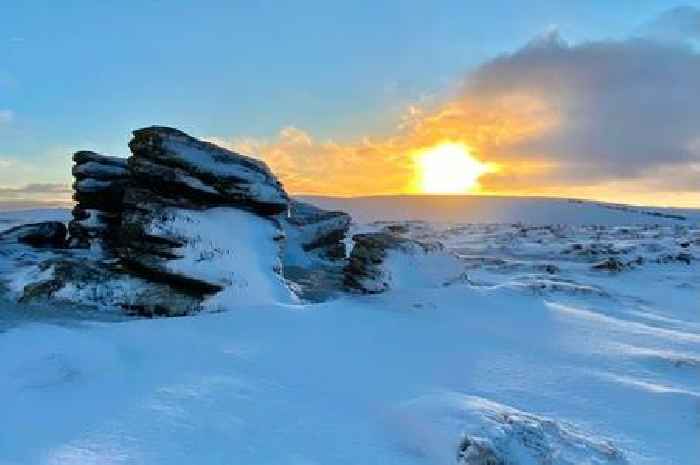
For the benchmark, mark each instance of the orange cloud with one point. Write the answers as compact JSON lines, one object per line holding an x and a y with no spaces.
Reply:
{"x":386,"y":165}
{"x":558,"y":119}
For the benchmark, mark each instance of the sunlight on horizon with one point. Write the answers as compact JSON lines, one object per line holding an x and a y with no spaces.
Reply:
{"x":449,"y":168}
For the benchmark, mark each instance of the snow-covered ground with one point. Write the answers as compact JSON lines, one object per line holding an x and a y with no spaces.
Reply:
{"x":499,"y":209}
{"x":525,"y":351}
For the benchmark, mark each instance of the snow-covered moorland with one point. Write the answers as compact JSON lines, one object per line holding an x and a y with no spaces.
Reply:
{"x":512,"y":344}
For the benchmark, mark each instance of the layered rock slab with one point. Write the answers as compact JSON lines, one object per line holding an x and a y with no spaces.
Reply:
{"x":179,"y":226}
{"x":99,"y":186}
{"x":195,"y":215}
{"x":173,"y":164}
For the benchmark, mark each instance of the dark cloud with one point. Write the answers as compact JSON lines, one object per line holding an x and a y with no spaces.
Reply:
{"x":622,"y":108}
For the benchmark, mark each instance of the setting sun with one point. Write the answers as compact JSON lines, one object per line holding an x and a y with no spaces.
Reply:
{"x":449,"y":168}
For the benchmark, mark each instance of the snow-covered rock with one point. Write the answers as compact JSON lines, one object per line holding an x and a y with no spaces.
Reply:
{"x":314,"y":229}
{"x":314,"y":249}
{"x":98,"y":191}
{"x":222,"y":250}
{"x":44,"y":234}
{"x":175,"y":165}
{"x":477,"y":431}
{"x":181,"y":225}
{"x":201,"y":218}
{"x":380,"y":261}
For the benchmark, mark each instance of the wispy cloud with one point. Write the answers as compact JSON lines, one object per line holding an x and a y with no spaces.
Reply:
{"x":30,"y":190}
{"x":6,"y":116}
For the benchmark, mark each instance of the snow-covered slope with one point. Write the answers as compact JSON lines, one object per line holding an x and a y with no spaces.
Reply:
{"x":531,"y":357}
{"x":493,"y":209}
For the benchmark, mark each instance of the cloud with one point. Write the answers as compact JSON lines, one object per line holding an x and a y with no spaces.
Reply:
{"x":6,"y":116}
{"x":561,"y":118}
{"x":621,"y":108}
{"x":309,"y":166}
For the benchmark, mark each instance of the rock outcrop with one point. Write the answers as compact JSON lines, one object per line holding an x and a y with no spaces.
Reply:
{"x":180,"y":225}
{"x":186,"y":171}
{"x":50,"y":234}
{"x":314,"y":249}
{"x":366,"y":271}
{"x":182,"y":206}
{"x":98,"y":190}
{"x":317,"y":230}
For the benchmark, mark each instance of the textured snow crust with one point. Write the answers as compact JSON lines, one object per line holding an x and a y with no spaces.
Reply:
{"x":519,"y":351}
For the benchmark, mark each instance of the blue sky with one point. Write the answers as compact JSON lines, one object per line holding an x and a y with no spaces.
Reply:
{"x":82,"y":74}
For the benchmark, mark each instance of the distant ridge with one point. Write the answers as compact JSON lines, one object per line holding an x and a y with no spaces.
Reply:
{"x":501,"y":209}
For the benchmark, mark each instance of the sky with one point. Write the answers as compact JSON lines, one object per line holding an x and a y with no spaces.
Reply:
{"x":589,"y":99}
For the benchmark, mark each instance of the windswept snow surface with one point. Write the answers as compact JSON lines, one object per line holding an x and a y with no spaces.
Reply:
{"x":531,"y":357}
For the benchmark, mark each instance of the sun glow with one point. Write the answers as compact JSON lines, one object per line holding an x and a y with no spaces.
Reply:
{"x":449,"y":168}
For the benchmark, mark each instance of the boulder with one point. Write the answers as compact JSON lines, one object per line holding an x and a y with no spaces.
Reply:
{"x":50,"y":234}
{"x":190,"y":206}
{"x":316,"y":229}
{"x":612,"y":264}
{"x":365,"y":271}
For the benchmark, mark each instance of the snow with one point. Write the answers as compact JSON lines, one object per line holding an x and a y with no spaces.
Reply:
{"x":537,"y":374}
{"x":221,"y":163}
{"x":233,"y":248}
{"x":497,"y":209}
{"x":300,"y":235}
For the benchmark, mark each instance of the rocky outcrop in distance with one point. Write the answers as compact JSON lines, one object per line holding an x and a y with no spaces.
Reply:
{"x":366,"y":272}
{"x":49,"y":234}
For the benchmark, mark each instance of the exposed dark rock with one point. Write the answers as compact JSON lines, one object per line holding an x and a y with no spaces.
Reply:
{"x":478,"y":451}
{"x":595,"y":250}
{"x":397,"y":228}
{"x":314,"y":253}
{"x":610,"y":264}
{"x":98,"y":190}
{"x":548,"y":268}
{"x":364,"y":272}
{"x":96,"y":279}
{"x":682,"y":257}
{"x":63,"y":271}
{"x":47,"y":234}
{"x":168,"y":221}
{"x":318,"y":229}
